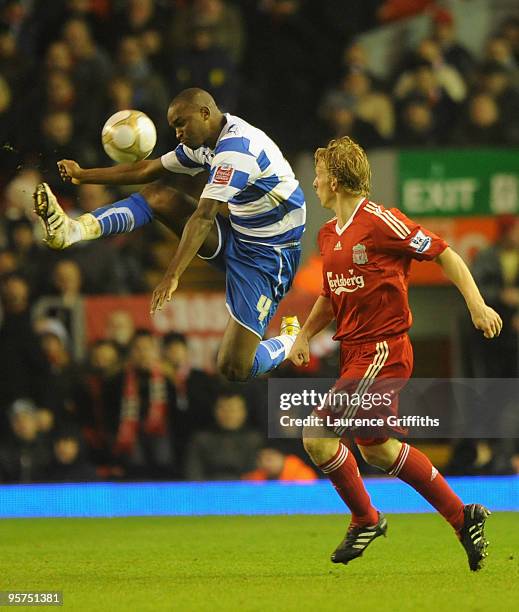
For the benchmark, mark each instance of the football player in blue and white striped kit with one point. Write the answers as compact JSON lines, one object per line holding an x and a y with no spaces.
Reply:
{"x":257,"y":245}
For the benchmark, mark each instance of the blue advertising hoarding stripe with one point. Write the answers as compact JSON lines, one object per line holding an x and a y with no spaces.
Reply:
{"x":232,"y":498}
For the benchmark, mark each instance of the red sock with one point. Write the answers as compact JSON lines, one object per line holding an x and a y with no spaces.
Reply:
{"x":413,"y":467}
{"x":343,"y":471}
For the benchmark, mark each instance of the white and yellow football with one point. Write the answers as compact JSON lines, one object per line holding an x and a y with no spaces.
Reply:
{"x":129,"y":136}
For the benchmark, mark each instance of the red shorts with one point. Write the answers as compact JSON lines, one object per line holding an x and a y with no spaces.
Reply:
{"x":371,"y":370}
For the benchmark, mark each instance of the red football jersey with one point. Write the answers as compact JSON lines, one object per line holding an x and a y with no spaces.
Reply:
{"x":366,"y":268}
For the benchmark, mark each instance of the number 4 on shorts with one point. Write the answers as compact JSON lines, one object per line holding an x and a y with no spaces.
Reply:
{"x":263,"y":307}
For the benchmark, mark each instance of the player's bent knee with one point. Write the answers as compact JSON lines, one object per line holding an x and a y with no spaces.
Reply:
{"x":320,"y":450}
{"x":371,"y":454}
{"x":159,"y":197}
{"x":382,"y":455}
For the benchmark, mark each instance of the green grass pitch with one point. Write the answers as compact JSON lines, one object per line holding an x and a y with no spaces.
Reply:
{"x":262,"y":563}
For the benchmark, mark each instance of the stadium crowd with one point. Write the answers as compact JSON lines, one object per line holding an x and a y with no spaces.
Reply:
{"x":135,"y":408}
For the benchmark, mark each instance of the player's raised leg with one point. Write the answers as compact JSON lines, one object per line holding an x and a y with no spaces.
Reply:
{"x":156,"y":200}
{"x":337,"y":462}
{"x":413,"y":467}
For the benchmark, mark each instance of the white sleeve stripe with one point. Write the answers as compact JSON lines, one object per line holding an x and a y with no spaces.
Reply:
{"x":387,"y":221}
{"x":393,"y":217}
{"x":222,"y":193}
{"x":398,"y":221}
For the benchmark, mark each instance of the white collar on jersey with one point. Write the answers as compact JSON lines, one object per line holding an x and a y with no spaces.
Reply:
{"x":340,"y":230}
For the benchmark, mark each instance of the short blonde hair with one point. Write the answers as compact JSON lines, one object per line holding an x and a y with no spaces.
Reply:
{"x":348,"y":163}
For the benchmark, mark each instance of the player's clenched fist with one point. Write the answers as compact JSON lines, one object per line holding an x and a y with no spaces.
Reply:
{"x":300,"y":353}
{"x":487,"y":320}
{"x":70,"y":171}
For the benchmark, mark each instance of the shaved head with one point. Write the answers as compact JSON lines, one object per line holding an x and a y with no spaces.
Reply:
{"x":195,"y":97}
{"x":196,"y":118}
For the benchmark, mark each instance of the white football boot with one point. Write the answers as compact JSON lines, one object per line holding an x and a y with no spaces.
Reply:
{"x":60,"y":230}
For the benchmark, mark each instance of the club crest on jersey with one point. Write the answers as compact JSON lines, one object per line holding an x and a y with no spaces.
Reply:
{"x":345,"y":284}
{"x":223,"y":175}
{"x":359,"y":254}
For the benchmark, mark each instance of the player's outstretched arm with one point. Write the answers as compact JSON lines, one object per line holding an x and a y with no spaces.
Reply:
{"x":195,"y":232}
{"x":140,"y":172}
{"x":484,"y":318}
{"x":320,"y":316}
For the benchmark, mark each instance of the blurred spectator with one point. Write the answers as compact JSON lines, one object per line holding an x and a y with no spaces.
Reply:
{"x":120,"y":329}
{"x":58,"y":58}
{"x":61,"y":300}
{"x":204,"y":64}
{"x":416,"y":124}
{"x":18,"y":201}
{"x":499,"y":50}
{"x":496,"y":271}
{"x":342,"y":121}
{"x":228,"y":451}
{"x":8,"y":262}
{"x":91,"y":196}
{"x":144,"y":440}
{"x":195,"y":391}
{"x":222,"y":17}
{"x":510,"y":32}
{"x":14,"y":64}
{"x":496,"y":81}
{"x":46,"y":422}
{"x":274,"y":465}
{"x":62,"y":375}
{"x":149,"y":93}
{"x":7,"y":134}
{"x":92,"y":68}
{"x":48,"y":18}
{"x":67,"y":281}
{"x":90,"y":59}
{"x":58,"y":142}
{"x":454,"y":53}
{"x":355,"y":57}
{"x":422,"y":82}
{"x":120,"y":95}
{"x":69,"y":463}
{"x":24,"y":457}
{"x":28,"y":253}
{"x":482,"y":125}
{"x":21,"y":361}
{"x":60,"y":93}
{"x":370,"y":106}
{"x":144,"y":19}
{"x":101,"y":399}
{"x":446,"y":77}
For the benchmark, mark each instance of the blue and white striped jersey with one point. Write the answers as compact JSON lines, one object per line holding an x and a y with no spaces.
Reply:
{"x":248,"y":171}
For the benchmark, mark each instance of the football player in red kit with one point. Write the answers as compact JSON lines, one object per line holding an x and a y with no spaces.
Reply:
{"x":367,"y":251}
